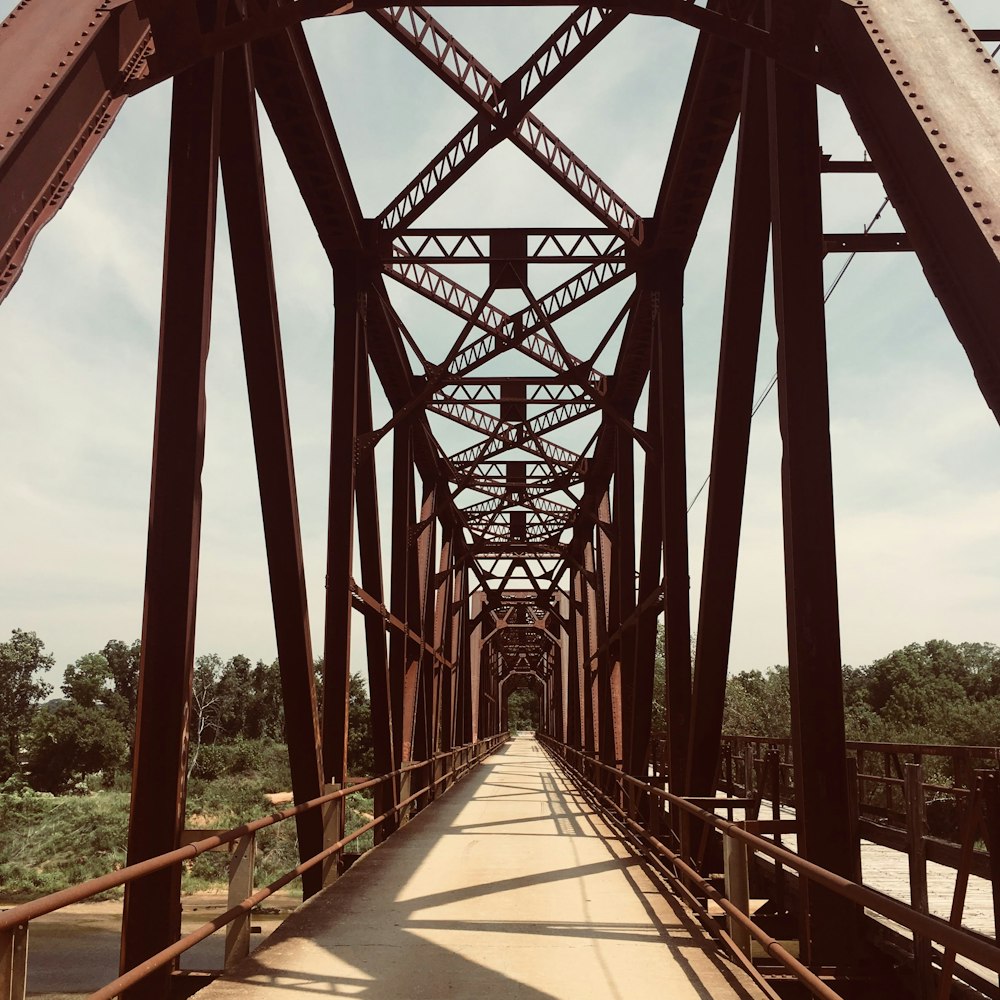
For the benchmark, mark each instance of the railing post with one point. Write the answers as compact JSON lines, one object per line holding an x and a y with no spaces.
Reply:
{"x":854,"y":807}
{"x":736,"y":868}
{"x":991,"y":800}
{"x":748,"y":770}
{"x":333,"y":830}
{"x":405,"y":792}
{"x":14,"y":962}
{"x":241,"y":866}
{"x":913,"y":777}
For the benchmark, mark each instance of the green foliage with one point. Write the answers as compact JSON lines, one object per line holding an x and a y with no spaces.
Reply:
{"x":360,"y":748}
{"x":21,"y":658}
{"x":757,"y":704}
{"x":932,"y":692}
{"x":72,"y":741}
{"x":522,"y":710}
{"x":48,"y":843}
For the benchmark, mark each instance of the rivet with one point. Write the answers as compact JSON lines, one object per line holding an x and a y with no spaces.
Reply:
{"x":967,"y":189}
{"x":977,"y":204}
{"x":950,"y":159}
{"x":920,"y":107}
{"x":959,"y":173}
{"x":987,"y":222}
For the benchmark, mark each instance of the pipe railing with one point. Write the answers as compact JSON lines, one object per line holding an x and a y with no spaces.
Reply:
{"x":15,"y":921}
{"x":678,"y":865}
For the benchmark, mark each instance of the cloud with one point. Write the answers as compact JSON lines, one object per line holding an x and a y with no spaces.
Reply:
{"x":915,"y":449}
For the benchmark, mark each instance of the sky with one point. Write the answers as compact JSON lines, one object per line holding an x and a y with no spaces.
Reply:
{"x":916,"y":451}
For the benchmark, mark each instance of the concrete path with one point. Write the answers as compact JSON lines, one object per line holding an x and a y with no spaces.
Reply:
{"x":508,"y":886}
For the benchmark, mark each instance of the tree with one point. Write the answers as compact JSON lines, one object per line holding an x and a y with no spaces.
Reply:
{"x":123,"y":669}
{"x":360,"y":749}
{"x":88,"y":681}
{"x":71,"y":741}
{"x":266,"y":713}
{"x":205,"y":705}
{"x":522,"y":710}
{"x":21,"y":658}
{"x":235,"y":693}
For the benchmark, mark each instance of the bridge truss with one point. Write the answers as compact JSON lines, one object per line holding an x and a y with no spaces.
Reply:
{"x":517,"y":560}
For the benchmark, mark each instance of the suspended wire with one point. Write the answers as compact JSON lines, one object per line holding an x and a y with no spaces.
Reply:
{"x":826,"y":298}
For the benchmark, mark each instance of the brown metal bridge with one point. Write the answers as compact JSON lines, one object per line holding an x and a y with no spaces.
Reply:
{"x":520,"y":560}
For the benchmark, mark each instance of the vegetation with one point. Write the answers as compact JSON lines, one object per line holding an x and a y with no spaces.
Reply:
{"x":65,"y":764}
{"x":522,"y":710}
{"x":932,"y":692}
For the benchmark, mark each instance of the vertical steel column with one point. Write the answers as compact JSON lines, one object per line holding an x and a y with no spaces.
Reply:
{"x":668,"y":302}
{"x":370,"y":554}
{"x":250,"y":240}
{"x":624,"y":561}
{"x":458,"y":612}
{"x":650,"y":545}
{"x":463,"y":660}
{"x":151,"y":919}
{"x":441,"y":719}
{"x":592,"y":701}
{"x":807,"y":490}
{"x":476,"y":667}
{"x":578,"y":662}
{"x":399,"y":644}
{"x":349,"y":303}
{"x":420,"y":697}
{"x":609,"y":678}
{"x":748,"y":244}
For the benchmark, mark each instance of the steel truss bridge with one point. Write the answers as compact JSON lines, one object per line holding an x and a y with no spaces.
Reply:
{"x":518,"y":561}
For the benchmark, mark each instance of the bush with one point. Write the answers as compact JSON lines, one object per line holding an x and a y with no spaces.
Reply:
{"x":71,"y":742}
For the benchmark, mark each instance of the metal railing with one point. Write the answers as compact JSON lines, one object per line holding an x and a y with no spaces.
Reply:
{"x":661,"y":823}
{"x":416,"y":781}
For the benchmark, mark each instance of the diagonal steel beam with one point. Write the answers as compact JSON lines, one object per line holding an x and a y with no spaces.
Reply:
{"x":500,"y":118}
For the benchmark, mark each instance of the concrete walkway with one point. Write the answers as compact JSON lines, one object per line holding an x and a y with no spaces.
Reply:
{"x":508,"y":886}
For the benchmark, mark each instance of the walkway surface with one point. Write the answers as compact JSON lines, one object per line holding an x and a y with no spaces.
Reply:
{"x":508,"y":886}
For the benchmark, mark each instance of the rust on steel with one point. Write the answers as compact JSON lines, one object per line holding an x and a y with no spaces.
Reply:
{"x":517,"y":558}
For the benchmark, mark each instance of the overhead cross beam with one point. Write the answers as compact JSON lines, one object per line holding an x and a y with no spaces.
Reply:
{"x":503,"y":112}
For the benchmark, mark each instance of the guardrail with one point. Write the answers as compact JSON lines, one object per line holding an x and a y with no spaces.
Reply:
{"x":416,"y":781}
{"x":661,"y":822}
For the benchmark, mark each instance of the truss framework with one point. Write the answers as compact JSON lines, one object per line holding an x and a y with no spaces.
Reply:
{"x":514,"y":559}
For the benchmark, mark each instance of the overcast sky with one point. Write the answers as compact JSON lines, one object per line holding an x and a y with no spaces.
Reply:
{"x":916,"y":451}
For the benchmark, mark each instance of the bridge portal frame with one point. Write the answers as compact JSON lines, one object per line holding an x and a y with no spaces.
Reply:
{"x":437,"y":683}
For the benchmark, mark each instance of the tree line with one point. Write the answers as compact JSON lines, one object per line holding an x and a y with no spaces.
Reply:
{"x":52,"y":744}
{"x":932,"y":692}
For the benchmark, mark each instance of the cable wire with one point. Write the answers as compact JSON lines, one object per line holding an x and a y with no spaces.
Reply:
{"x":826,"y":298}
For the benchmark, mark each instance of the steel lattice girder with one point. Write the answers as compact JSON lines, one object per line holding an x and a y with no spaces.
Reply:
{"x":516,"y":559}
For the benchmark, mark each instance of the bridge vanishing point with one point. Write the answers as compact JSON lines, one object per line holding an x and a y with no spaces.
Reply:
{"x":518,"y":560}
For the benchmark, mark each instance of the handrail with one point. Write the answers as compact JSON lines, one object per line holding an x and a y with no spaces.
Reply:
{"x":925,"y":925}
{"x":20,"y":915}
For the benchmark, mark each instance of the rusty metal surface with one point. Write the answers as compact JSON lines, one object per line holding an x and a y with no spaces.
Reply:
{"x":514,"y":566}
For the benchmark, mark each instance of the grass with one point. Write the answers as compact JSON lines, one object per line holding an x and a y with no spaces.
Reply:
{"x":48,"y":842}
